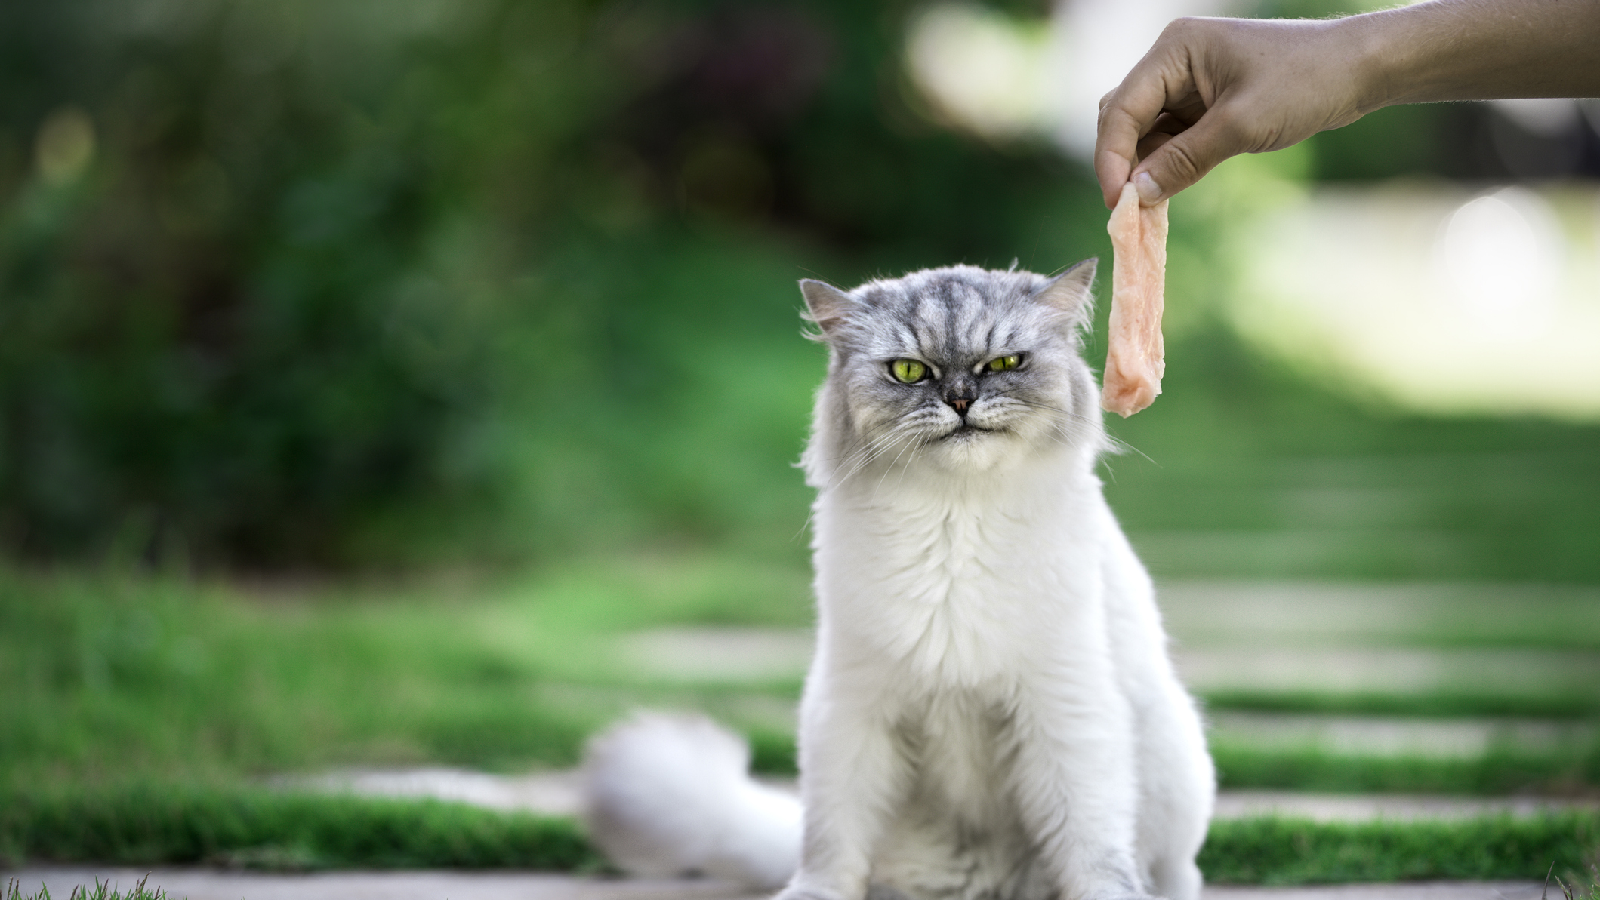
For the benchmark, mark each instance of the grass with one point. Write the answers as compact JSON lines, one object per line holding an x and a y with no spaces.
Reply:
{"x":1582,"y":888}
{"x":143,"y":710}
{"x":259,"y":829}
{"x":1444,"y":703}
{"x":112,"y":678}
{"x":83,"y":892}
{"x":1284,"y":851}
{"x":1500,"y":771}
{"x":109,"y":677}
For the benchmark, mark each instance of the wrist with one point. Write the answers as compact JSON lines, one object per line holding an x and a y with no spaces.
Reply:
{"x":1380,"y":64}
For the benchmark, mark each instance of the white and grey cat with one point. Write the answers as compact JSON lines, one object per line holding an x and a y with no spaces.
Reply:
{"x":991,"y":711}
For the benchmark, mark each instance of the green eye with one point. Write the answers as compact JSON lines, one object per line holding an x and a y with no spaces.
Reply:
{"x":908,"y":371}
{"x":1003,"y":363}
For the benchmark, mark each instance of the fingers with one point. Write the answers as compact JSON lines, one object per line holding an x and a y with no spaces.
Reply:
{"x":1176,"y":163}
{"x":1160,"y":83}
{"x":1126,"y":115}
{"x":1152,"y":141}
{"x":1115,"y":151}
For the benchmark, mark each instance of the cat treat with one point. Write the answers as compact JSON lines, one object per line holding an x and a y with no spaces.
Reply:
{"x":1134,"y":357}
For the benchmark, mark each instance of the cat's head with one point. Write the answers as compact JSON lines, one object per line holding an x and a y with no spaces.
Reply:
{"x":960,"y":368}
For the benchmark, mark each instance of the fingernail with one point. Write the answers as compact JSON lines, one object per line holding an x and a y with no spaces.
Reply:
{"x":1149,"y":191}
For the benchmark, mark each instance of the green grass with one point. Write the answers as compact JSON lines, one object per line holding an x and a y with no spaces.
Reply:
{"x":115,"y":677}
{"x":117,"y":680}
{"x":1501,"y":771}
{"x":1582,"y":887}
{"x":1444,"y":703}
{"x":179,"y":824}
{"x":1283,"y":851}
{"x":111,"y":677}
{"x":255,"y":828}
{"x":83,"y":892}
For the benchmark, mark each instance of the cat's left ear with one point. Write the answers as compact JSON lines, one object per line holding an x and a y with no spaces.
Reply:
{"x":1069,"y":293}
{"x":826,"y":305}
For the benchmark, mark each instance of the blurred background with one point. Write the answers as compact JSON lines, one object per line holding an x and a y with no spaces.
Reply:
{"x":410,"y":382}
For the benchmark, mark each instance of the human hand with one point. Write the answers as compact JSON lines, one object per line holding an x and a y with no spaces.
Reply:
{"x":1209,"y":89}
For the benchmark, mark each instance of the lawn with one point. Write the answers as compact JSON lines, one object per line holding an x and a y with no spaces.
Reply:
{"x":145,"y":713}
{"x":1316,"y":554}
{"x":145,"y":708}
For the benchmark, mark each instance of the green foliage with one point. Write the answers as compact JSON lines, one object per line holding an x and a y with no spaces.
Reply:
{"x":229,"y":332}
{"x":307,"y":283}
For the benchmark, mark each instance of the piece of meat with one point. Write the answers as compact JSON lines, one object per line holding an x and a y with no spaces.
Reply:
{"x":1134,"y":353}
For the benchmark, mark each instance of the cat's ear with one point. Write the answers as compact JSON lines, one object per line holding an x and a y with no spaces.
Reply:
{"x":1069,"y":293}
{"x":826,"y":305}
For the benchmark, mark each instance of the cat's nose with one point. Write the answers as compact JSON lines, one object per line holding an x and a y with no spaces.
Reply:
{"x":960,"y":397}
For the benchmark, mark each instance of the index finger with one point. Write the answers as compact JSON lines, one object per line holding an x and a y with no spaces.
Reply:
{"x":1126,"y":115}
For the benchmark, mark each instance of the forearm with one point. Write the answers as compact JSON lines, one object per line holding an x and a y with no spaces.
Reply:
{"x":1479,"y":50}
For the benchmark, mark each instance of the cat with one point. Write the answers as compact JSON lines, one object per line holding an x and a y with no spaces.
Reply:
{"x":991,"y":711}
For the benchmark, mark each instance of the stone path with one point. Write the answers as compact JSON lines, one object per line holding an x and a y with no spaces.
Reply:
{"x":197,"y":884}
{"x":557,"y":793}
{"x":738,"y":654}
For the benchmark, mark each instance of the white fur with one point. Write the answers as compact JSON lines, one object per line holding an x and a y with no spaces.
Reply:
{"x":991,"y":711}
{"x":669,"y":795}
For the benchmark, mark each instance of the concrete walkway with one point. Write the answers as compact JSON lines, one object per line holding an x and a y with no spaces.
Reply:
{"x":197,"y":884}
{"x":558,"y":793}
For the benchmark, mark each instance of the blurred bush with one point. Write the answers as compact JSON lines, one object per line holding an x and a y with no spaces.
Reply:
{"x":295,"y":283}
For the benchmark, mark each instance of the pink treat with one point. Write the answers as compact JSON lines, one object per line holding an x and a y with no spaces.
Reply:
{"x":1134,"y":363}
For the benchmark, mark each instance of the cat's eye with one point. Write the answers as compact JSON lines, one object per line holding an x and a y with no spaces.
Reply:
{"x":1003,"y":363}
{"x":908,"y":371}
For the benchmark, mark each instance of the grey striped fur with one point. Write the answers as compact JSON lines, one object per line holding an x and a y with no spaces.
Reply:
{"x":954,"y":320}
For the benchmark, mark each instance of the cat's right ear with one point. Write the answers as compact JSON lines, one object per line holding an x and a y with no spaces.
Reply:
{"x":826,"y":305}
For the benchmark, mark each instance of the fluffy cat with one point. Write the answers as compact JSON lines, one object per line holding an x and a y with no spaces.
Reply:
{"x":991,"y":711}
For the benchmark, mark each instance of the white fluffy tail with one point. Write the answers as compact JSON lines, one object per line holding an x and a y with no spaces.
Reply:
{"x":670,"y":795}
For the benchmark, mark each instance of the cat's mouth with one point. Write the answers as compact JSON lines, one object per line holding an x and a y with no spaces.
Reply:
{"x":966,"y":430}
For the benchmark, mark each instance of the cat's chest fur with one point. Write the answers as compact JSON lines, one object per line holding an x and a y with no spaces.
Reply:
{"x":964,"y":589}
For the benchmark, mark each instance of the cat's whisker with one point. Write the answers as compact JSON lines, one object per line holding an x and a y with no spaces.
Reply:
{"x":1117,"y":444}
{"x":853,"y":460}
{"x":890,"y":468}
{"x":851,"y":463}
{"x":874,"y":450}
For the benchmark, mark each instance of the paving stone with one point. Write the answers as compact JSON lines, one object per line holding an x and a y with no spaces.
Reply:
{"x":557,"y":793}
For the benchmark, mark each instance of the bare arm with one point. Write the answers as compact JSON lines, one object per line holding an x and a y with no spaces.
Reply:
{"x":1213,"y":88}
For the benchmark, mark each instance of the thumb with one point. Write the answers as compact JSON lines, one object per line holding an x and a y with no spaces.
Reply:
{"x":1180,"y":162}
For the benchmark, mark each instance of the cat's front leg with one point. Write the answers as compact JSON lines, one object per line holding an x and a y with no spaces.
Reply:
{"x":853,"y":773}
{"x":1076,"y":789}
